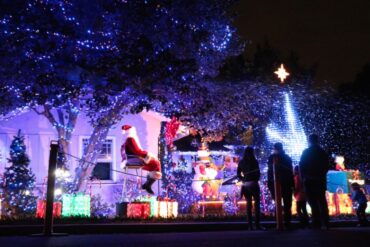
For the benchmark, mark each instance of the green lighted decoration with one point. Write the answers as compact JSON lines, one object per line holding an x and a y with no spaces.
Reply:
{"x":76,"y":205}
{"x":153,"y":204}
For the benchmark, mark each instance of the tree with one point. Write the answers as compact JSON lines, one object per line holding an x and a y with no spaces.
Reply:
{"x":38,"y":69}
{"x":340,"y":120}
{"x":109,"y":58}
{"x":360,"y":85}
{"x":19,"y":181}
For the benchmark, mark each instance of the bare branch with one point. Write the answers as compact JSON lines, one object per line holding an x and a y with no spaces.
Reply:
{"x":38,"y":112}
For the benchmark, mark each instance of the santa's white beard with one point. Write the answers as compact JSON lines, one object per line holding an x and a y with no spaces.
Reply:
{"x":133,"y":134}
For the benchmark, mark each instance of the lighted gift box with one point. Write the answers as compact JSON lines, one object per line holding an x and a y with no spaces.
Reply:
{"x":152,"y":200}
{"x":76,"y":205}
{"x":138,"y":210}
{"x":41,"y":207}
{"x":163,"y":208}
{"x":166,"y":209}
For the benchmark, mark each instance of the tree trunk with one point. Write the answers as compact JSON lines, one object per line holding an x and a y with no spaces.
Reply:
{"x":91,"y":152}
{"x":65,"y":125}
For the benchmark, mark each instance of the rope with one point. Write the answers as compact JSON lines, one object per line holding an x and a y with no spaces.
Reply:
{"x":194,"y":180}
{"x":92,"y":163}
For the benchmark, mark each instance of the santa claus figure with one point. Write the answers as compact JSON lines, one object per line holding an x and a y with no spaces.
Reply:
{"x":133,"y":154}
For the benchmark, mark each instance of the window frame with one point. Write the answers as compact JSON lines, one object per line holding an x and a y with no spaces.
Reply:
{"x":111,"y":160}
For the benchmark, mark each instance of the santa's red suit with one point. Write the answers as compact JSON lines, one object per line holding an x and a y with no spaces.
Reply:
{"x":132,"y":153}
{"x":131,"y":148}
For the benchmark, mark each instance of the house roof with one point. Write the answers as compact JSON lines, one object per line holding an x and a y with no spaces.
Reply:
{"x":156,"y":115}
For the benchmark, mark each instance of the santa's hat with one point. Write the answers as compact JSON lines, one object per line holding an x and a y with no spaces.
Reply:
{"x":126,"y":127}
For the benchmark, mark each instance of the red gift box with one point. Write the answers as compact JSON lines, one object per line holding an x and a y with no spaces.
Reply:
{"x":138,"y":210}
{"x":41,"y":207}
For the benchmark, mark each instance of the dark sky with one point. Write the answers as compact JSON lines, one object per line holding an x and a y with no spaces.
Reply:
{"x":333,"y":33}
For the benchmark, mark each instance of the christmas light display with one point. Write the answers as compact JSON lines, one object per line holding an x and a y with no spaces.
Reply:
{"x":166,"y":209}
{"x":63,"y":181}
{"x":77,"y":69}
{"x":76,"y":205}
{"x":161,"y":207}
{"x":65,"y":78}
{"x":19,"y":181}
{"x":282,"y":73}
{"x":138,"y":210}
{"x":41,"y":207}
{"x":289,"y":131}
{"x":153,"y":204}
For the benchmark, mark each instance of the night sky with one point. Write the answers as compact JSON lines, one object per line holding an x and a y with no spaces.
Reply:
{"x":335,"y":34}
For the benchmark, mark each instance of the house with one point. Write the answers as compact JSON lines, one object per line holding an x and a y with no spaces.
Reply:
{"x":38,"y":133}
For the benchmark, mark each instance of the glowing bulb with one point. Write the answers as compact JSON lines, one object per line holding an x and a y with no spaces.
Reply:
{"x":58,"y":192}
{"x":66,"y":174}
{"x":58,"y":172}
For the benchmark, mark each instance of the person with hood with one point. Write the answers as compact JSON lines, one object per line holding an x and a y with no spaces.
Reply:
{"x":314,"y":165}
{"x":284,"y":169}
{"x":249,"y":173}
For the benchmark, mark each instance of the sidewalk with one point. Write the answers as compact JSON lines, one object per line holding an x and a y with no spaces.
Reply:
{"x":336,"y":237}
{"x":109,"y":228}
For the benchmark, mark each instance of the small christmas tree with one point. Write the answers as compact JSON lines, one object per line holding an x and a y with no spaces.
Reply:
{"x":19,"y":181}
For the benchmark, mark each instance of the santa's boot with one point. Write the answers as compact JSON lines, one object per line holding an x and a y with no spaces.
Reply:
{"x":148,"y":185}
{"x":152,"y":177}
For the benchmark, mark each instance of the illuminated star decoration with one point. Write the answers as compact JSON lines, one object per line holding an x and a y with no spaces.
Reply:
{"x":282,"y":73}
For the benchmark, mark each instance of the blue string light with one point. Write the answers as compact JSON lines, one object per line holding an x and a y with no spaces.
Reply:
{"x":289,"y":132}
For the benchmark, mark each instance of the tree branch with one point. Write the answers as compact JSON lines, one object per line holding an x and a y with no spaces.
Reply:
{"x":49,"y":116}
{"x":38,"y":112}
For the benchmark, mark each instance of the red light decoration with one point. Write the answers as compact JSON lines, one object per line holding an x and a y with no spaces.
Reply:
{"x":171,"y":129}
{"x":138,"y":210}
{"x":41,"y":207}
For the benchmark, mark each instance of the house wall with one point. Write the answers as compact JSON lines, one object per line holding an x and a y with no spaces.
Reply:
{"x":38,"y":133}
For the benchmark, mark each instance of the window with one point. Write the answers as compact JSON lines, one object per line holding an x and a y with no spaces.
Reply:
{"x":102,"y":171}
{"x":105,"y":160}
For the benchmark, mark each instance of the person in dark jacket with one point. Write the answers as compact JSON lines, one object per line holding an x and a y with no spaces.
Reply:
{"x":249,"y":173}
{"x":285,"y":172}
{"x":314,"y":165}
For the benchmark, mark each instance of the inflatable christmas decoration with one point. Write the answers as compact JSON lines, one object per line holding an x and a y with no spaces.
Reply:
{"x":339,"y":163}
{"x":205,"y":182}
